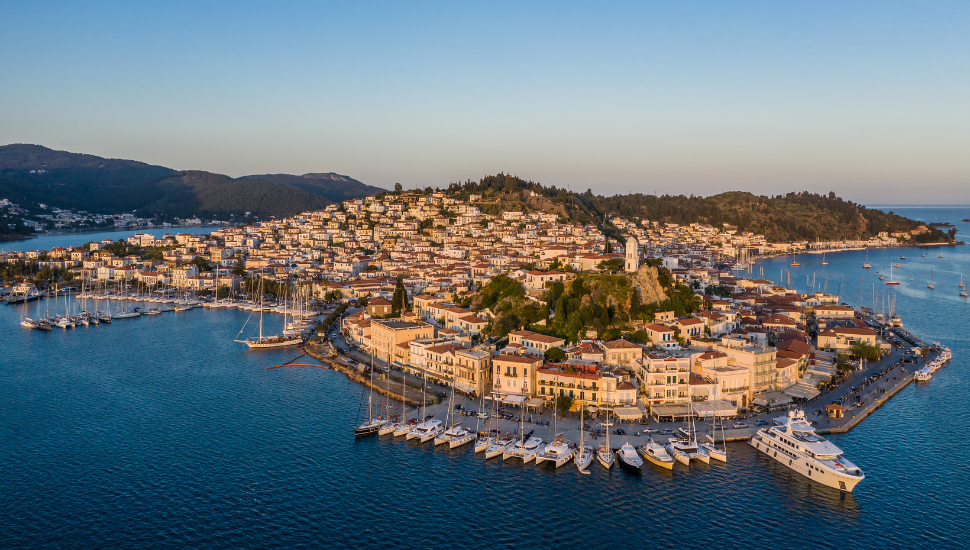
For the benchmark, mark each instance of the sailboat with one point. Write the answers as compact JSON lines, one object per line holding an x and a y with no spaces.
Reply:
{"x":931,"y":283}
{"x":604,"y":454}
{"x":824,"y":261}
{"x":268,"y":341}
{"x":891,"y":281}
{"x":526,"y":447}
{"x":585,"y":454}
{"x":713,"y":450}
{"x":866,"y":265}
{"x":560,"y":450}
{"x":456,"y":435}
{"x":794,"y":263}
{"x":963,"y":291}
{"x":371,"y":425}
{"x":499,"y":444}
{"x":483,"y":440}
{"x":428,"y":428}
{"x":390,"y":426}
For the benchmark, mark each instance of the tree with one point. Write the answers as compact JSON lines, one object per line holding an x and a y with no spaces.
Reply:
{"x":609,"y":247}
{"x":862,"y":350}
{"x":399,"y":302}
{"x":362,"y":301}
{"x":239,"y":269}
{"x":555,"y":355}
{"x":640,"y":337}
{"x":612,"y":264}
{"x":201,"y":263}
{"x":563,"y":404}
{"x":398,"y":188}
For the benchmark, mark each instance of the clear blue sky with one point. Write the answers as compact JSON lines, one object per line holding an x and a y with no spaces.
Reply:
{"x":871,"y":100}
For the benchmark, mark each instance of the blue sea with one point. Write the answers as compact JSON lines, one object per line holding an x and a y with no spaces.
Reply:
{"x":162,"y":432}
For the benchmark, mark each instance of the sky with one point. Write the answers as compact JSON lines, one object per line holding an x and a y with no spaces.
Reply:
{"x":867,"y":99}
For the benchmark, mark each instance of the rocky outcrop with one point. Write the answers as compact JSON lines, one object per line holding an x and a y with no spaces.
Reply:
{"x":646,"y":281}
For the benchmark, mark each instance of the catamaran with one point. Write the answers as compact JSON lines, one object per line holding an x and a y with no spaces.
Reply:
{"x":526,"y":447}
{"x":428,"y":428}
{"x":456,"y":435}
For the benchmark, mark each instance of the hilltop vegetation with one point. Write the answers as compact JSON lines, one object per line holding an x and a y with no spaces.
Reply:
{"x":781,"y":218}
{"x":605,"y":302}
{"x":31,"y":174}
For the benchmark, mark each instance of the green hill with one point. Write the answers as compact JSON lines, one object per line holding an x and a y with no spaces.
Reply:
{"x":31,"y":174}
{"x":781,"y":218}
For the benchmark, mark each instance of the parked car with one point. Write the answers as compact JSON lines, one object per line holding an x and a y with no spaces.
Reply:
{"x":740,"y":425}
{"x":761,"y":423}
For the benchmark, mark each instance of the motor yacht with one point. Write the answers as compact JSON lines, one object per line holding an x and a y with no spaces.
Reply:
{"x":792,"y":441}
{"x":629,"y":459}
{"x":656,"y":454}
{"x":923,"y":374}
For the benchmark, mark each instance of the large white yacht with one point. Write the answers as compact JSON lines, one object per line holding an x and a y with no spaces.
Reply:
{"x":793,"y":442}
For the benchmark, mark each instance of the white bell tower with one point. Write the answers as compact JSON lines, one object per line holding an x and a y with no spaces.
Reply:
{"x":632,"y":254}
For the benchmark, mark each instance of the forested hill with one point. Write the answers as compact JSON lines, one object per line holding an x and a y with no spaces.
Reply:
{"x":781,"y":218}
{"x":31,"y":174}
{"x":334,"y":187}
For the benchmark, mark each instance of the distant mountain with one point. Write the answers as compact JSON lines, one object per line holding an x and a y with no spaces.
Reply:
{"x":333,"y":186}
{"x":36,"y":174}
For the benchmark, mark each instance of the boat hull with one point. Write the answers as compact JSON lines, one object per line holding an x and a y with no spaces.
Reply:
{"x":841,"y":482}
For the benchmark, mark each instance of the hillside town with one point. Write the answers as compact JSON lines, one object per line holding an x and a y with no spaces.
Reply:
{"x":752,"y":343}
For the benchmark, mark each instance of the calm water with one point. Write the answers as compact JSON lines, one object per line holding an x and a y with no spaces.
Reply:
{"x":47,"y":242}
{"x":161,"y":431}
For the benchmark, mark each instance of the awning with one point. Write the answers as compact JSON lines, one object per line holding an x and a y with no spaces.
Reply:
{"x":627,"y":413}
{"x":462,"y":385}
{"x":535,"y":402}
{"x":719,"y":407}
{"x":514,"y":399}
{"x":772,"y":399}
{"x":670,"y":410}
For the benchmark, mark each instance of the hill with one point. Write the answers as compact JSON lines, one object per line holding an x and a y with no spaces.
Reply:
{"x":334,"y":187}
{"x":781,"y":218}
{"x":31,"y":174}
